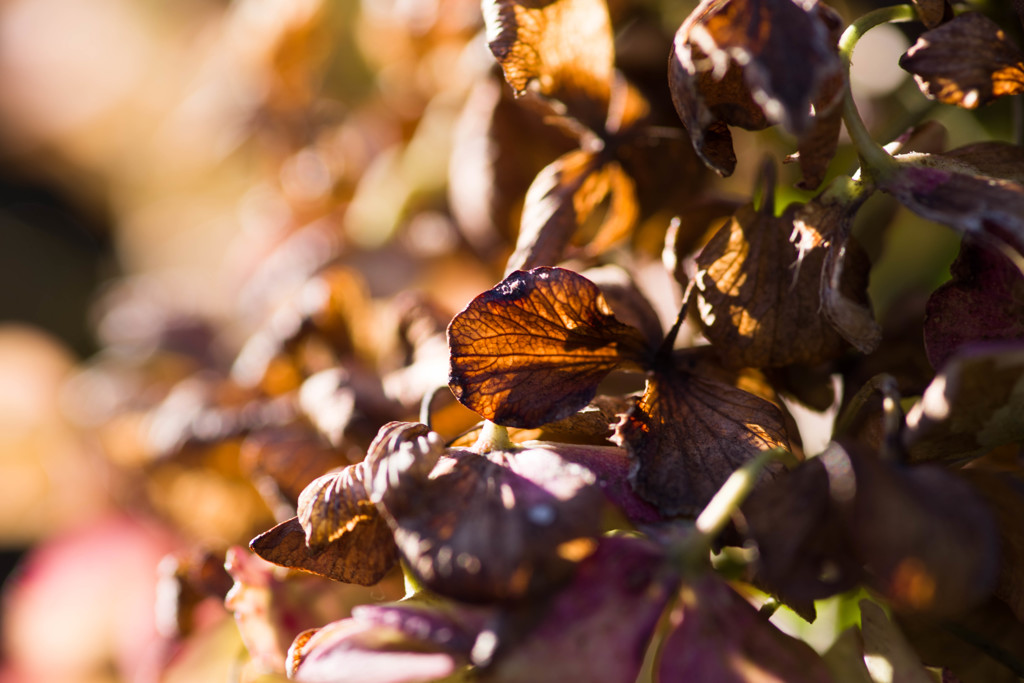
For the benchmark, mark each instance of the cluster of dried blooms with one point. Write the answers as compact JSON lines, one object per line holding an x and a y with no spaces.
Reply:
{"x":596,"y":469}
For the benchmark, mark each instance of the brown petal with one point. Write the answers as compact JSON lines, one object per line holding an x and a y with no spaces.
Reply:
{"x":495,"y":528}
{"x":718,"y":636}
{"x":709,"y":134}
{"x":971,"y":407}
{"x":334,"y":505}
{"x":689,"y":432}
{"x":534,"y":348}
{"x":579,"y":197}
{"x":826,"y":221}
{"x":968,"y":61}
{"x":563,"y":46}
{"x":818,"y":144}
{"x":760,"y":307}
{"x":984,"y":301}
{"x":933,"y":12}
{"x":611,"y":466}
{"x":627,"y":301}
{"x":362,"y":556}
{"x":499,"y":147}
{"x":749,"y":64}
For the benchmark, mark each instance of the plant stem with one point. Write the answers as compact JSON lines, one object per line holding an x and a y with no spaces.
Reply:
{"x":875,"y":160}
{"x":734,"y":491}
{"x":717,"y":513}
{"x":493,"y":437}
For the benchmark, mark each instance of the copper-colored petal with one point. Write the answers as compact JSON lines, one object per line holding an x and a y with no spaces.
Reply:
{"x":933,"y":12}
{"x":334,"y":505}
{"x":710,"y":136}
{"x":534,"y":348}
{"x":563,"y":46}
{"x":363,"y":555}
{"x":689,"y":432}
{"x":581,"y":197}
{"x":968,"y":61}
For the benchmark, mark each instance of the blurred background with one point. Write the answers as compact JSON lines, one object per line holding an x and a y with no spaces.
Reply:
{"x":171,"y":173}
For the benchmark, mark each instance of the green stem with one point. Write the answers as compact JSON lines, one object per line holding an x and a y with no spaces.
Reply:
{"x":876,"y":161}
{"x":720,"y":510}
{"x":493,"y":437}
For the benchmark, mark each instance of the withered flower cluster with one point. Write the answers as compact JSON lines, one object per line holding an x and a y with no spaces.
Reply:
{"x":681,"y":408}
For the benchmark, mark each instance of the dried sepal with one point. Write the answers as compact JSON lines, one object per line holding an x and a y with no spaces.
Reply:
{"x":804,"y":553}
{"x":972,"y":406}
{"x":759,"y":298}
{"x":817,"y":146}
{"x":534,"y":348}
{"x":689,"y":432}
{"x":563,"y":48}
{"x":496,"y":527}
{"x":983,"y":302}
{"x":362,"y":556}
{"x":629,"y":304}
{"x":826,"y":221}
{"x":400,"y":456}
{"x":597,"y":627}
{"x":751,"y":65}
{"x":611,"y":467}
{"x":928,"y":541}
{"x":499,"y":147}
{"x":580,"y":196}
{"x":960,"y":190}
{"x":993,"y":158}
{"x":967,"y":61}
{"x":716,"y":635}
{"x":271,"y":608}
{"x":1004,"y":494}
{"x":367,"y":652}
{"x":334,"y":505}
{"x":933,"y":12}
